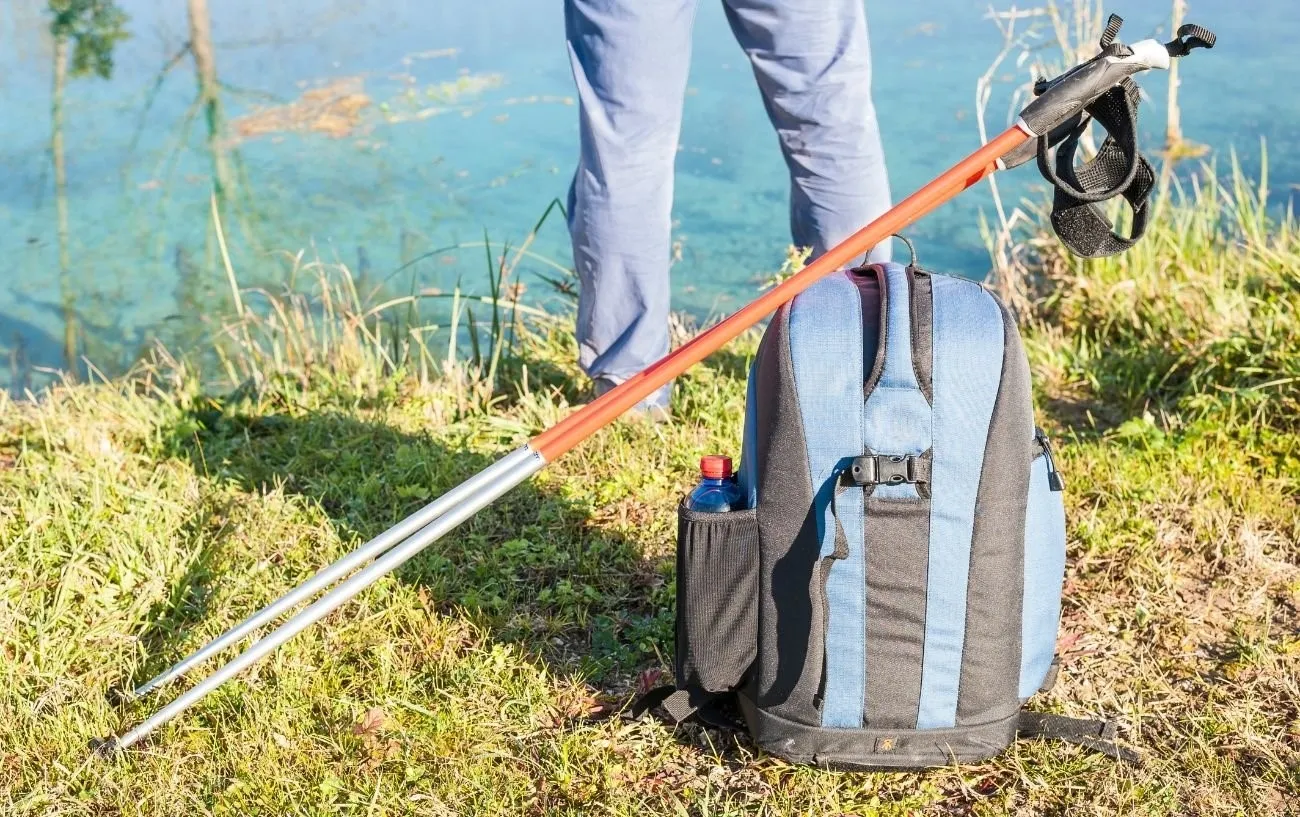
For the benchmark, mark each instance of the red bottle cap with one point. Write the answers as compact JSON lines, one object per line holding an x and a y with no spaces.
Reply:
{"x":715,"y":466}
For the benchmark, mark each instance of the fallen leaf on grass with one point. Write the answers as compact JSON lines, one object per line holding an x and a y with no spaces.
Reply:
{"x":648,"y":680}
{"x":371,"y":723}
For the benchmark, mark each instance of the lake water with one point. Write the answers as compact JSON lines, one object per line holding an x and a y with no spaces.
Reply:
{"x":470,"y":125}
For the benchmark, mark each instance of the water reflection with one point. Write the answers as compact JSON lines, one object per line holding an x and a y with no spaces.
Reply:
{"x":388,"y":134}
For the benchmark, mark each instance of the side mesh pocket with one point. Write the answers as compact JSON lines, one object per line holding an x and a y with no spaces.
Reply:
{"x":717,"y":598}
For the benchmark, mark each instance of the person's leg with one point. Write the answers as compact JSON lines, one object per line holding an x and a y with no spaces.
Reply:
{"x":630,"y":60}
{"x":812,"y":61}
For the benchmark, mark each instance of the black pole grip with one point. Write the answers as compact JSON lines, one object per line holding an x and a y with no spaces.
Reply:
{"x":1064,"y":98}
{"x":1067,"y":96}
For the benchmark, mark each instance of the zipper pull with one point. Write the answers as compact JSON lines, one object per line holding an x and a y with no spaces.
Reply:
{"x":1054,"y":481}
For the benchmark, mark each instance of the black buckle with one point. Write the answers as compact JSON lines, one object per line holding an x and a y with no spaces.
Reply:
{"x":882,"y":469}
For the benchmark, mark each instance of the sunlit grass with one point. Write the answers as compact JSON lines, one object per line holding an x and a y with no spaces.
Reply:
{"x":141,"y":517}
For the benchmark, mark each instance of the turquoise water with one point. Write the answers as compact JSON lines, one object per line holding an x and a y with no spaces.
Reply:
{"x":471,"y":126}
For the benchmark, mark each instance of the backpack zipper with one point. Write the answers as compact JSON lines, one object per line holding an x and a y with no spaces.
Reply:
{"x":1054,"y":481}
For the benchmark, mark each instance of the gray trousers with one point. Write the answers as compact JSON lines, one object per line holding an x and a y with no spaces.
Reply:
{"x":630,"y":60}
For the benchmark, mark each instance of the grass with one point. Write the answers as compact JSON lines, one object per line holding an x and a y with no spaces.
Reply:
{"x":143,"y":516}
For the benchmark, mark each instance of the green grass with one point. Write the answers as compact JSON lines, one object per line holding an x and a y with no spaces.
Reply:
{"x":141,"y":517}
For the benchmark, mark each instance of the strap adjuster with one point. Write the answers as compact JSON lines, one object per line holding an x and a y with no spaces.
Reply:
{"x":884,"y":469}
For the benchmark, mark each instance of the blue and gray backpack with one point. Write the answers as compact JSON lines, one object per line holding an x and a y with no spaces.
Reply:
{"x":890,"y":595}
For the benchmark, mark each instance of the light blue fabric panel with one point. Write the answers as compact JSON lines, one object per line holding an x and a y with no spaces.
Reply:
{"x":1044,"y":575}
{"x":897,"y":413}
{"x":748,"y":473}
{"x":826,"y":350}
{"x":968,"y":348}
{"x":898,"y":371}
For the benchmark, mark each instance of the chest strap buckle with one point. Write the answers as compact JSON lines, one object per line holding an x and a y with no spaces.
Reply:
{"x":888,"y":469}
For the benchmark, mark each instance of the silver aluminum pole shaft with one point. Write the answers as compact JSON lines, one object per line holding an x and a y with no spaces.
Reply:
{"x":327,"y":576}
{"x":504,"y":480}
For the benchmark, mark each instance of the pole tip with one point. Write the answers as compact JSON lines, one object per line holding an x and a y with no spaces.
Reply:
{"x":104,"y":747}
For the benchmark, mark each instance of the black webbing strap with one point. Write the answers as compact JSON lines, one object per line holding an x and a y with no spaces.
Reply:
{"x":1096,"y":735}
{"x":673,"y":702}
{"x":679,"y":705}
{"x":1118,"y":169}
{"x":841,"y":539}
{"x":868,"y":471}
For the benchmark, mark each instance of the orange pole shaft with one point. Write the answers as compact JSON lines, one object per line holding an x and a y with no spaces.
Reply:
{"x":564,"y":435}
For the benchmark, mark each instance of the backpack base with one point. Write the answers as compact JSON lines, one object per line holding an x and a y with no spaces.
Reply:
{"x":876,"y":749}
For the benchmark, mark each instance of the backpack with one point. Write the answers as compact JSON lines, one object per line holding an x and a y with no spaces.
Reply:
{"x":889,"y":596}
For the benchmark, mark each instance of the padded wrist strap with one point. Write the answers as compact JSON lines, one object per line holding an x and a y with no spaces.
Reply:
{"x":1118,"y":169}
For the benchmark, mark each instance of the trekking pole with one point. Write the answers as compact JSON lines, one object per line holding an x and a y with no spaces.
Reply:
{"x":327,"y":576}
{"x":525,"y":461}
{"x":1059,"y":101}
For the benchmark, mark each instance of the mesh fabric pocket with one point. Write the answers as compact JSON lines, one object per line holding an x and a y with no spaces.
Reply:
{"x":717,"y":598}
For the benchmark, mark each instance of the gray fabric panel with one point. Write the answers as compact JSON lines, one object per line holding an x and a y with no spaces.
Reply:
{"x":872,"y":351}
{"x":871,"y":283}
{"x":876,"y":748}
{"x":841,"y":540}
{"x":897,"y":568}
{"x":990,"y":669}
{"x":791,"y":610}
{"x":923,"y":330}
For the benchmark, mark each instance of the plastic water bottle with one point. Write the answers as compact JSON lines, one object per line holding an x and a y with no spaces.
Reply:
{"x":717,"y":491}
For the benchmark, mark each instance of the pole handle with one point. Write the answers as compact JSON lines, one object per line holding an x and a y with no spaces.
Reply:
{"x":1063,"y":98}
